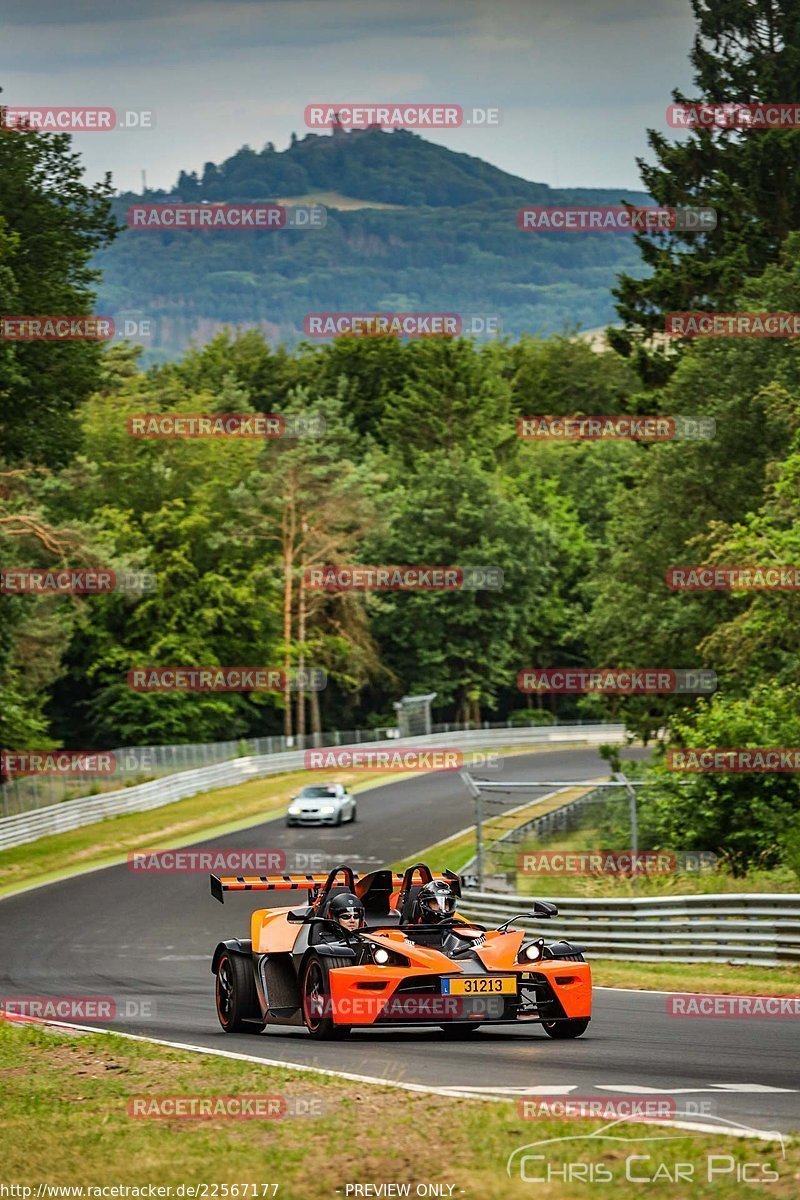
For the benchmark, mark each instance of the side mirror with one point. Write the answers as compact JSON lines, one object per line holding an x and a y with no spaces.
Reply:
{"x":544,"y":908}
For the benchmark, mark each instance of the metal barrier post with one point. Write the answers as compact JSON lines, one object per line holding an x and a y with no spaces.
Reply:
{"x":623,"y":779}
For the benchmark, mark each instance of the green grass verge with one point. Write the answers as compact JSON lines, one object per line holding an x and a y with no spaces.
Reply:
{"x":722,"y":978}
{"x":456,"y":851}
{"x":681,"y":883}
{"x":64,"y":1107}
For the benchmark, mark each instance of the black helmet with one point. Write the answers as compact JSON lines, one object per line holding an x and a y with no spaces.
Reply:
{"x":435,"y":902}
{"x":346,"y":905}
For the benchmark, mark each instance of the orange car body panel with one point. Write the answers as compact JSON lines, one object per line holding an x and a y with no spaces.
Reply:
{"x":357,"y":1000}
{"x":271,"y":932}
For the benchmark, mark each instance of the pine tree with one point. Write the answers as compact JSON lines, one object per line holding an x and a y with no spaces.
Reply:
{"x":745,"y":51}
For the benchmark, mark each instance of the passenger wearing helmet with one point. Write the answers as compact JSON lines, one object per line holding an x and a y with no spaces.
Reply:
{"x":348,"y":912}
{"x":436,"y":902}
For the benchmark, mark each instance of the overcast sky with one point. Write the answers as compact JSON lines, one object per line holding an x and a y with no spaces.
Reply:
{"x":577,"y":81}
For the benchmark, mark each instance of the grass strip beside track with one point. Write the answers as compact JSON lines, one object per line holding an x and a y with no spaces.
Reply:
{"x":717,"y":978}
{"x":456,"y":851}
{"x":64,"y":1107}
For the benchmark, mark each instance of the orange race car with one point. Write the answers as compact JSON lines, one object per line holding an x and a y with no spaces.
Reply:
{"x":385,"y":949}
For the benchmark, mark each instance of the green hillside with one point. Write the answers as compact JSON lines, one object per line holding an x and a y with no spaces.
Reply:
{"x":452,"y":245}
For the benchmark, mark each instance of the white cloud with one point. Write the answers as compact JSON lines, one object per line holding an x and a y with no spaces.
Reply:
{"x":578,"y":80}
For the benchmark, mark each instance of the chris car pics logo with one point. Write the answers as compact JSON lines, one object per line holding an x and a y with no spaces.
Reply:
{"x":646,"y":1158}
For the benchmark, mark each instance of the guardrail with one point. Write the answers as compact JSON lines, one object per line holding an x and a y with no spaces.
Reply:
{"x":750,"y":927}
{"x":141,"y":764}
{"x":26,"y":827}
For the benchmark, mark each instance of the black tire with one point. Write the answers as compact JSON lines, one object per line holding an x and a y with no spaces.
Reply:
{"x":316,"y":983}
{"x":572,"y":1027}
{"x":459,"y":1029}
{"x":236,"y":995}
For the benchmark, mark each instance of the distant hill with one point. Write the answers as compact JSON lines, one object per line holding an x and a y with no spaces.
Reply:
{"x":448,"y":243}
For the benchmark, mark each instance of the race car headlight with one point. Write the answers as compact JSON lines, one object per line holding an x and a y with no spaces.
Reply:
{"x":327,"y":809}
{"x":294,"y":810}
{"x":531,"y":952}
{"x":382,"y":957}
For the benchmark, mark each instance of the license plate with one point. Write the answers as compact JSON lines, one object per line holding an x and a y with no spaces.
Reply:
{"x":480,"y":985}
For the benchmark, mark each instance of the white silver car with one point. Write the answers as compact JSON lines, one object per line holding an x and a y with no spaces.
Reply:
{"x":322,"y":804}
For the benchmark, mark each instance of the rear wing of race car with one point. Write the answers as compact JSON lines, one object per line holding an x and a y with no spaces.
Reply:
{"x":313,"y":883}
{"x":265,"y":883}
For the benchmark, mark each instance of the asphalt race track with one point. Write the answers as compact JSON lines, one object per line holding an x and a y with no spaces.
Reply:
{"x":148,"y":938}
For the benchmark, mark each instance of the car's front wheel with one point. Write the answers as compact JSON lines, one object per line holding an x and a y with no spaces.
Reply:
{"x":316,"y":998}
{"x":237,"y":1001}
{"x":572,"y":1027}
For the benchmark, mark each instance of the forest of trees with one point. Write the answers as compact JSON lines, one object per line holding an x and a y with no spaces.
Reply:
{"x":420,"y":464}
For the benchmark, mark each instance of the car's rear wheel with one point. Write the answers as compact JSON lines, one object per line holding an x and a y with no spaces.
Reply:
{"x":316,"y":998}
{"x":572,"y":1027}
{"x":237,"y":1001}
{"x":459,"y":1029}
